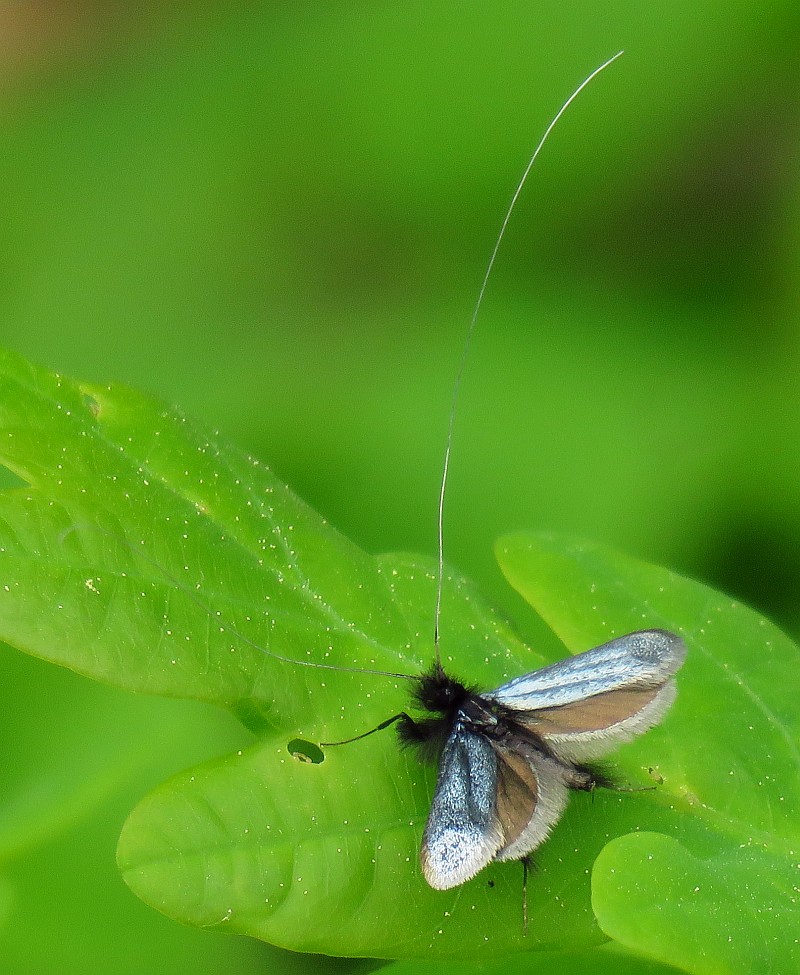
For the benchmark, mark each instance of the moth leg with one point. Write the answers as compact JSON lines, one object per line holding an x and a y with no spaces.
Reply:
{"x":528,"y":866}
{"x":402,"y":716}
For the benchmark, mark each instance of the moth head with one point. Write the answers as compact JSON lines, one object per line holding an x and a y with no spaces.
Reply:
{"x":436,"y":691}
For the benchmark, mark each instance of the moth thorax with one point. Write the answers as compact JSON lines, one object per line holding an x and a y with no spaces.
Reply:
{"x":438,"y":692}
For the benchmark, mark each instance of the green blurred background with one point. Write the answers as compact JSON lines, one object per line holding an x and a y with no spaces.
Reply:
{"x":278,"y":215}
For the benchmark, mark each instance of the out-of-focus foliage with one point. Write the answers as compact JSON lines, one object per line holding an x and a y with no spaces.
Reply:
{"x":278,"y":216}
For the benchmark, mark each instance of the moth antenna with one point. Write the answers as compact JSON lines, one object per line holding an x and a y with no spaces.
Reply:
{"x":225,"y":624}
{"x":468,"y":342}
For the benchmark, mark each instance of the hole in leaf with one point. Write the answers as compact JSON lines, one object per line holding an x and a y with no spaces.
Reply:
{"x":306,"y":751}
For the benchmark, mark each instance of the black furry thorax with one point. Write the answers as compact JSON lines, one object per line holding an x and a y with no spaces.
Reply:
{"x":441,"y":696}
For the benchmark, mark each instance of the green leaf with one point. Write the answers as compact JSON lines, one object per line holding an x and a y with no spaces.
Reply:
{"x":110,"y":472}
{"x":719,"y":891}
{"x":736,"y":911}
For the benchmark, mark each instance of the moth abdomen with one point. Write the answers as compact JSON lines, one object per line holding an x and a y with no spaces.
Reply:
{"x":582,"y":778}
{"x":597,"y":776}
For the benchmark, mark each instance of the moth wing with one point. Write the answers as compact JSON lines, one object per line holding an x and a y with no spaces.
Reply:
{"x":588,"y":704}
{"x":531,"y":796}
{"x":462,"y":834}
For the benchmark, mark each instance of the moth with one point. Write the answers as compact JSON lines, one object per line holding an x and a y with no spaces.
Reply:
{"x":509,"y":757}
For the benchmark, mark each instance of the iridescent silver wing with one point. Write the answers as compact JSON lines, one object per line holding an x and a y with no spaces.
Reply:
{"x":492,"y":802}
{"x":462,"y":834}
{"x":585,"y":706}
